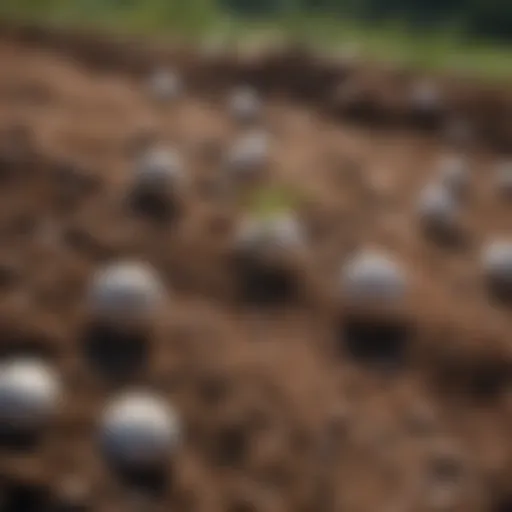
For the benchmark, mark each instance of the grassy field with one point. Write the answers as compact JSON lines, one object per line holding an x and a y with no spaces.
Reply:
{"x":199,"y":20}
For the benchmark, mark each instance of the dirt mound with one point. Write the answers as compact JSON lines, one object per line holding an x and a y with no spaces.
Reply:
{"x":282,"y":409}
{"x":346,"y":90}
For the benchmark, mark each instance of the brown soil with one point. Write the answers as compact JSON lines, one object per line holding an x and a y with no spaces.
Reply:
{"x":278,"y":415}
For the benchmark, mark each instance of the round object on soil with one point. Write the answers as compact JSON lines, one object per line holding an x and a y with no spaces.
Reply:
{"x":497,"y":263}
{"x":248,"y":156}
{"x":372,"y":277}
{"x":455,"y":173}
{"x":158,"y":170}
{"x":29,"y":394}
{"x":165,"y":85}
{"x":280,"y":232}
{"x":245,"y":105}
{"x":125,"y":291}
{"x":437,"y":208}
{"x":139,"y":430}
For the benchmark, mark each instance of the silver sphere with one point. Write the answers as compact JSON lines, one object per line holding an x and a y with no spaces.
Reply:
{"x":497,"y":263}
{"x":282,"y":232}
{"x":248,"y":156}
{"x":245,"y":105}
{"x":372,"y":277}
{"x":139,"y":430}
{"x":165,"y":85}
{"x":158,"y":170}
{"x":438,"y":209}
{"x":455,"y":174}
{"x":29,"y":393}
{"x":125,"y":292}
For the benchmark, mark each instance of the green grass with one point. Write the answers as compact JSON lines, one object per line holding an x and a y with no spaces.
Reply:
{"x":190,"y":18}
{"x":200,"y":20}
{"x":444,"y":50}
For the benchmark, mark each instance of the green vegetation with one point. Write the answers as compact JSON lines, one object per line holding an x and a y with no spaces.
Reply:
{"x":186,"y":17}
{"x":268,"y":201}
{"x":434,"y":34}
{"x":444,"y":49}
{"x":492,"y":18}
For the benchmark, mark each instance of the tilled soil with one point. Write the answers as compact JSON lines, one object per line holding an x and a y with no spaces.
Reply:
{"x":279,"y":413}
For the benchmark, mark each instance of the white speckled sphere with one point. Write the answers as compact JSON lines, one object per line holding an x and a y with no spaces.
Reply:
{"x":139,"y":430}
{"x":455,"y":173}
{"x":372,"y":277}
{"x":281,"y":232}
{"x":497,"y":262}
{"x":249,"y":155}
{"x":437,"y":208}
{"x":125,"y":292}
{"x":245,"y":105}
{"x":165,"y":85}
{"x":29,"y":393}
{"x":158,"y":170}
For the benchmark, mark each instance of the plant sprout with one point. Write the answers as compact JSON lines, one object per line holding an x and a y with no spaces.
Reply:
{"x":270,"y":200}
{"x":270,"y":219}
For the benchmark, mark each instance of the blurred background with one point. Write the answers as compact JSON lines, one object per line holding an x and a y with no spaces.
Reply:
{"x":437,"y":34}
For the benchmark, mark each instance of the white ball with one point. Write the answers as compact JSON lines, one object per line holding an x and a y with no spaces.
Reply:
{"x":159,"y":170}
{"x":280,"y":232}
{"x":373,"y":277}
{"x":437,"y":208}
{"x":125,"y":291}
{"x":249,"y":155}
{"x":455,"y":173}
{"x":29,"y":393}
{"x":245,"y":105}
{"x":165,"y":85}
{"x":497,"y":262}
{"x":139,"y":430}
